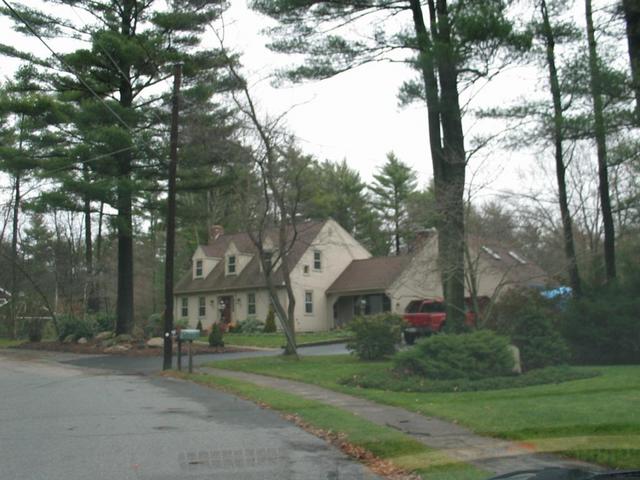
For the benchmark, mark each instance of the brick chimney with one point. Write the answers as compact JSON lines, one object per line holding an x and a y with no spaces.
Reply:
{"x":421,"y":237}
{"x":215,"y":232}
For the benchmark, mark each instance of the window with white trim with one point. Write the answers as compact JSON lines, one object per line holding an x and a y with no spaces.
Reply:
{"x":198,"y":268}
{"x":202,"y":307}
{"x":184,"y":307}
{"x":251,"y":303}
{"x":231,"y":264}
{"x":317,"y":260}
{"x":308,"y":301}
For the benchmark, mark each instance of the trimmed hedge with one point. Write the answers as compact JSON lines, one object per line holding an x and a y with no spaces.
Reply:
{"x":375,"y":336}
{"x":473,"y":356}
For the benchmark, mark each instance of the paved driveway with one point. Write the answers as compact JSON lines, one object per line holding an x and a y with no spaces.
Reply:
{"x":147,"y":365}
{"x":69,"y":423}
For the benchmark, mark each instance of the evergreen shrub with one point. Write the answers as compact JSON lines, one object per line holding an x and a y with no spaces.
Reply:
{"x":481,"y":354}
{"x":270,"y":323}
{"x":375,"y":336}
{"x":216,"y":336}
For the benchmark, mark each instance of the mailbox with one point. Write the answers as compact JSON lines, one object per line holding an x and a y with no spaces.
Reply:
{"x":187,"y":335}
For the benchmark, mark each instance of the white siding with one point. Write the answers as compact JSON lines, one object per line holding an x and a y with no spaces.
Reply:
{"x":337,"y":249}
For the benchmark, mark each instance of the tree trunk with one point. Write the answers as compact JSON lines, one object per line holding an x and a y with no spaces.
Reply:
{"x":558,"y":137}
{"x":452,"y":232}
{"x":14,"y":255}
{"x":446,"y":142}
{"x":601,"y":144}
{"x":124,"y":221}
{"x":171,"y":221}
{"x":632,"y":20}
{"x":291,"y":304}
{"x":92,"y":303}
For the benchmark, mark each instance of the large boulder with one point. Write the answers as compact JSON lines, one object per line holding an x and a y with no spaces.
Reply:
{"x":82,"y":340}
{"x":124,"y":338}
{"x":155,"y":342}
{"x":109,"y":342}
{"x":104,"y":336}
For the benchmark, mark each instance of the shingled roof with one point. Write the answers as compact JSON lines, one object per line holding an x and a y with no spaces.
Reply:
{"x":251,"y":276}
{"x":508,"y":259}
{"x":371,"y":274}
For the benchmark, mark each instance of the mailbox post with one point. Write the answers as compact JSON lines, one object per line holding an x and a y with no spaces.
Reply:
{"x":188,"y":335}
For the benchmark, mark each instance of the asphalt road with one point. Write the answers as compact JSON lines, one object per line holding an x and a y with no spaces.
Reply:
{"x":59,"y":421}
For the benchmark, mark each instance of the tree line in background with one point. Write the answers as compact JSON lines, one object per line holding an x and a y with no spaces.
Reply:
{"x":85,"y":142}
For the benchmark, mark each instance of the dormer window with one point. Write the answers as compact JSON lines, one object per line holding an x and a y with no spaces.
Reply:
{"x":231,"y":264}
{"x":317,"y":260}
{"x":491,"y":253}
{"x":198,"y":268}
{"x":517,"y":257}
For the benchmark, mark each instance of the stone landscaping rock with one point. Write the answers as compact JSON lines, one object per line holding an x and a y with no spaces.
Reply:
{"x":69,"y":339}
{"x":124,"y":338}
{"x":155,"y":342}
{"x":109,"y":342}
{"x":104,"y":336}
{"x":118,"y":348}
{"x":82,"y":340}
{"x":515,"y":351}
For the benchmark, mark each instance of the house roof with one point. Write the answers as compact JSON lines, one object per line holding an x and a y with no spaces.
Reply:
{"x":377,"y":273}
{"x":251,"y":275}
{"x":516,"y":266}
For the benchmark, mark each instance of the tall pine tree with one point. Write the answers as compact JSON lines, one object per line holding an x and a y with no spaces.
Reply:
{"x":127,"y":52}
{"x":393,"y":186}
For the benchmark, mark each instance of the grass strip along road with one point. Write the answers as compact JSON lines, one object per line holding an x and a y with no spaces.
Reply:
{"x":595,"y":419}
{"x":392,"y":450}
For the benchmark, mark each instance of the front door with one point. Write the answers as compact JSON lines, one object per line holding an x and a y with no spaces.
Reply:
{"x":225,"y":304}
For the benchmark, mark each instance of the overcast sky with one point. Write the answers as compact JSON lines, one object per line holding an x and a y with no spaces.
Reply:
{"x":355,"y":115}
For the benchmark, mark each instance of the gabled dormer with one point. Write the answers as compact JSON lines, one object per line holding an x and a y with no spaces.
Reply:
{"x":202,"y":265}
{"x":234,"y":260}
{"x":270,"y":255}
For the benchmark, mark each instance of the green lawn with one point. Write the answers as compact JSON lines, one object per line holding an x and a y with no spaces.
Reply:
{"x":384,"y":442}
{"x":7,"y":342}
{"x":596,"y":419}
{"x":277,"y":340}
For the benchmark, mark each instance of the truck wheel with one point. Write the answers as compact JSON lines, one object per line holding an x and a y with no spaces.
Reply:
{"x":409,"y":338}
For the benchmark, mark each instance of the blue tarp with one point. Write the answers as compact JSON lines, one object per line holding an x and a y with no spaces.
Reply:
{"x":557,"y":292}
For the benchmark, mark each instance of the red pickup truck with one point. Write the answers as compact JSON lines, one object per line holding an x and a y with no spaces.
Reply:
{"x":424,"y":317}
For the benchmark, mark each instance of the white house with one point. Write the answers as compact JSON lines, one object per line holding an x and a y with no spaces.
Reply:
{"x":333,"y":277}
{"x":227,"y":283}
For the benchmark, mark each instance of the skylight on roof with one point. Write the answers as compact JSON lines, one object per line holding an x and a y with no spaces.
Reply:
{"x":491,"y":252}
{"x":517,"y":257}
